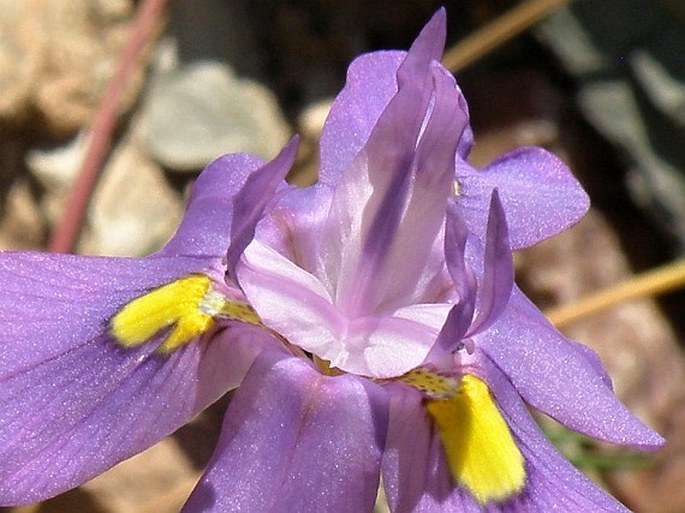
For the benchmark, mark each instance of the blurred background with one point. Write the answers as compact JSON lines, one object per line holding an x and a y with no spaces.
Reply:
{"x":599,"y":82}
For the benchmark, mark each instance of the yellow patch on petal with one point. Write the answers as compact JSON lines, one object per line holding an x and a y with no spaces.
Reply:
{"x":436,"y":386}
{"x":481,"y":452}
{"x":190,"y":304}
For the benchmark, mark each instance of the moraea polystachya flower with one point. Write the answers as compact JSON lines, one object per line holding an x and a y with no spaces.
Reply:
{"x":370,"y":322}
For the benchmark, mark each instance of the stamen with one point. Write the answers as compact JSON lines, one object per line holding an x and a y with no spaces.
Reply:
{"x":190,"y":304}
{"x":434,"y":385}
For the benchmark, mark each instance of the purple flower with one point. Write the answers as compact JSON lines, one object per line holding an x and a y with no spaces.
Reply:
{"x":370,"y":321}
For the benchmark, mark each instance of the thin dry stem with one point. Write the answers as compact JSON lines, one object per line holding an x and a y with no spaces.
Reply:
{"x":67,"y":232}
{"x":651,"y":283}
{"x":498,"y":32}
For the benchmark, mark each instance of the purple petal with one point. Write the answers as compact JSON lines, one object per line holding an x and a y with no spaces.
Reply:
{"x":428,"y":46}
{"x":538,"y":192}
{"x":416,"y":477}
{"x":296,"y":440}
{"x":456,"y":236}
{"x":553,"y":484}
{"x":414,"y":469}
{"x":558,"y":378}
{"x":297,"y":305}
{"x":293,"y":224}
{"x":205,"y":228}
{"x":73,"y":403}
{"x":498,"y":269}
{"x":371,"y":84}
{"x":249,"y":203}
{"x":461,"y":314}
{"x":393,"y":196}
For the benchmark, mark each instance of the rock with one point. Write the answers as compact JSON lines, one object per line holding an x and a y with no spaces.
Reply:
{"x":21,"y":56}
{"x":626,"y":56}
{"x":157,"y":480}
{"x":22,"y":224}
{"x":133,"y":210}
{"x":309,"y":125}
{"x":203,"y":110}
{"x":56,"y":167}
{"x":56,"y":59}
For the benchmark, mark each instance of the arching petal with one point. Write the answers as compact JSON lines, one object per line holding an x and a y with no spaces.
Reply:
{"x":372,"y":81}
{"x":389,"y":207}
{"x":251,"y":201}
{"x":538,"y":192}
{"x":498,"y":269}
{"x":553,"y":484}
{"x":416,"y":476}
{"x":206,"y":225}
{"x":72,"y":401}
{"x":558,"y":378}
{"x":296,"y":440}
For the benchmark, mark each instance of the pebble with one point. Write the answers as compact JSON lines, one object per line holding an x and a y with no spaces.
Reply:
{"x":203,"y":110}
{"x":134,"y":210}
{"x":56,"y":59}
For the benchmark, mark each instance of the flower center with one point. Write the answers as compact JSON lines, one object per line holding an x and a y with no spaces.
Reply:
{"x":189,"y":305}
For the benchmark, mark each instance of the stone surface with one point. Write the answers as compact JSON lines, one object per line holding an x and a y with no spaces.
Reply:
{"x":134,"y":210}
{"x":158,"y":480}
{"x":22,"y":224}
{"x":21,"y":56}
{"x":56,"y":59}
{"x":56,"y":167}
{"x":626,"y":56}
{"x":203,"y":110}
{"x":309,"y":125}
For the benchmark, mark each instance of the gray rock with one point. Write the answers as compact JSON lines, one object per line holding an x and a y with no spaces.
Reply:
{"x":627,"y":56}
{"x":56,"y":167}
{"x":202,"y":111}
{"x":56,"y":59}
{"x":133,"y":210}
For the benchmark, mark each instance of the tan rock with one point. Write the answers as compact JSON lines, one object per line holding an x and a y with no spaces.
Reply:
{"x":134,"y":210}
{"x":57,"y":57}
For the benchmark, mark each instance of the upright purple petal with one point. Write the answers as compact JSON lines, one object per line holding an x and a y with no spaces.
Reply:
{"x":558,"y":377}
{"x":205,"y":228}
{"x":538,"y":192}
{"x":72,"y":401}
{"x":461,"y":314}
{"x":456,"y":236}
{"x":389,"y":207}
{"x":250,"y":202}
{"x":296,"y":440}
{"x":498,"y":269}
{"x":371,"y":84}
{"x":428,"y":46}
